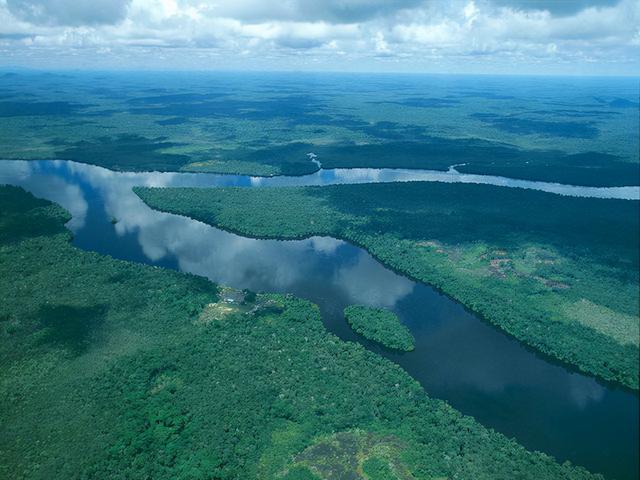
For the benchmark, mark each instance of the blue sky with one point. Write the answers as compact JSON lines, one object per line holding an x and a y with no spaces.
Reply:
{"x":590,"y":37}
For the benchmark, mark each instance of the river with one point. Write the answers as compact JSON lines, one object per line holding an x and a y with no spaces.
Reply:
{"x":475,"y":367}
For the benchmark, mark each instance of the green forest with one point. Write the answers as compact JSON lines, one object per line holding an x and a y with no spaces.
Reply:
{"x":380,"y":325}
{"x":116,"y":370}
{"x":469,"y":155}
{"x":558,"y":273}
{"x":230,"y":123}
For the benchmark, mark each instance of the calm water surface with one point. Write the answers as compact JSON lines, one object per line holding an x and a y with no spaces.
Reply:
{"x":459,"y":358}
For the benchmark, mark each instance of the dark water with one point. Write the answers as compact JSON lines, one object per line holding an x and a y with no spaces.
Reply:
{"x":458,"y":358}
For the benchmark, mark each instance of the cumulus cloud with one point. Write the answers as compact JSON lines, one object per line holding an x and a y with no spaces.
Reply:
{"x":596,"y":35}
{"x":334,"y":11}
{"x":69,"y":12}
{"x":559,"y":7}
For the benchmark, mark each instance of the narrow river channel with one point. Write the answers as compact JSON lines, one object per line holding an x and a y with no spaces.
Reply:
{"x":459,"y":358}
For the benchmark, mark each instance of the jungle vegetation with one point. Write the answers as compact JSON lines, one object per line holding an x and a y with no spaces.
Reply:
{"x":266,"y":124}
{"x":110,"y":369}
{"x":380,"y":325}
{"x":559,"y":273}
{"x":469,"y":155}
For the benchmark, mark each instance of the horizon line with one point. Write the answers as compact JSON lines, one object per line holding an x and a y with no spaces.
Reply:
{"x":17,"y":68}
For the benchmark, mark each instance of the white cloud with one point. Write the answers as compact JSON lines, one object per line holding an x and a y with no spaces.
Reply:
{"x":334,"y":11}
{"x":333,"y":34}
{"x":68,"y":12}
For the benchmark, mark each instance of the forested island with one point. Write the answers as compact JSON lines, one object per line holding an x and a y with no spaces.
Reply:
{"x":380,"y":325}
{"x":545,"y":268}
{"x":145,"y":398}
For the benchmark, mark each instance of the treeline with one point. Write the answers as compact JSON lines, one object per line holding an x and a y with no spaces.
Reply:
{"x":138,"y":153}
{"x":471,"y":155}
{"x":524,"y":260}
{"x":106,"y":373}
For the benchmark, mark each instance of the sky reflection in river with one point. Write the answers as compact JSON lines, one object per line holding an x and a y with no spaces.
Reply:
{"x":376,"y":175}
{"x":475,"y":367}
{"x":334,"y":177}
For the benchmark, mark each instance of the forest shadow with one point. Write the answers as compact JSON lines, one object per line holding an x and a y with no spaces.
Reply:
{"x":71,"y":327}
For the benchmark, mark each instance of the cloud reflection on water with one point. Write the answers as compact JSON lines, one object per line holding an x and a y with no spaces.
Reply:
{"x":492,"y":365}
{"x":53,"y":188}
{"x":203,"y":250}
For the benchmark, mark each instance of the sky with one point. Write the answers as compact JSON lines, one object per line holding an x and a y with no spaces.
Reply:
{"x":580,"y":37}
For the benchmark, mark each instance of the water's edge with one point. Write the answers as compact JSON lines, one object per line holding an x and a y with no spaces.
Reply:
{"x":354,"y":175}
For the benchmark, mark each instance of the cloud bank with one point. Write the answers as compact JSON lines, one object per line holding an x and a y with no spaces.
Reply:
{"x":481,"y":36}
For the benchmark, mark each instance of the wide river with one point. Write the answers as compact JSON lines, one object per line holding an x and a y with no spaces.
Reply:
{"x":459,"y":358}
